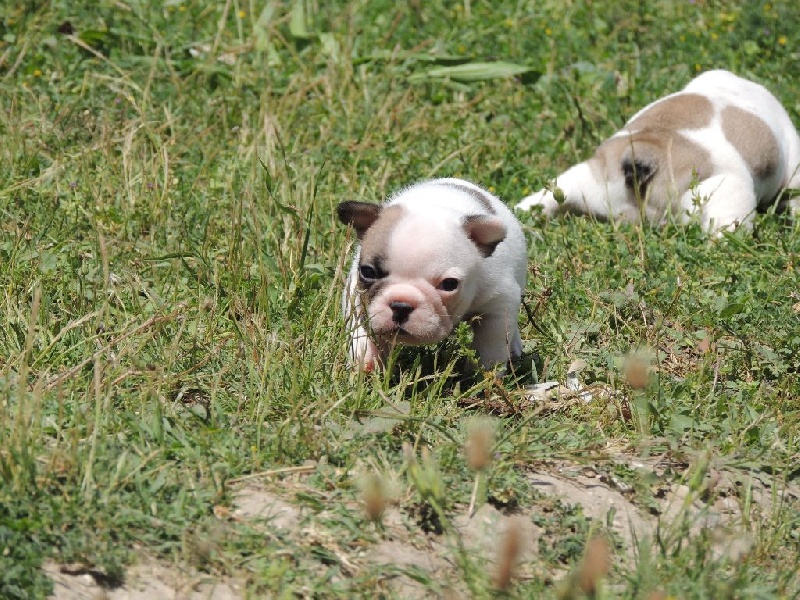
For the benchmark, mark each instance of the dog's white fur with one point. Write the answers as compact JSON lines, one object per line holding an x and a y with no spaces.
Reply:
{"x":434,"y":254}
{"x":723,"y":146}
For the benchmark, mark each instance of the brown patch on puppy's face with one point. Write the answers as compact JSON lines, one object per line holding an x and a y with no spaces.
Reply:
{"x":375,"y":238}
{"x":373,"y":251}
{"x":753,"y":139}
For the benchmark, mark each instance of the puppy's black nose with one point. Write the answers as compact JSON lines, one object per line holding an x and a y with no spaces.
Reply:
{"x":400,"y":311}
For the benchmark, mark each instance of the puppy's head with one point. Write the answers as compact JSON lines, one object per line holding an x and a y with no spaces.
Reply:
{"x":419,"y":272}
{"x":656,"y":168}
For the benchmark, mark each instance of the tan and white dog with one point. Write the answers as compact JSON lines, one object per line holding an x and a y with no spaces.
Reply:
{"x":434,"y":254}
{"x":722,"y":147}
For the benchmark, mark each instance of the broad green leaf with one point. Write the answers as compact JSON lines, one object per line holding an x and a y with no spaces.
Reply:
{"x":261,"y":26}
{"x":263,"y":43}
{"x":297,"y":22}
{"x":732,"y":309}
{"x":477,"y":71}
{"x":95,"y":37}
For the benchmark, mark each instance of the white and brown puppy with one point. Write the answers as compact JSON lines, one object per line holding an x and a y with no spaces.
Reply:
{"x":432,"y":255}
{"x":722,"y":147}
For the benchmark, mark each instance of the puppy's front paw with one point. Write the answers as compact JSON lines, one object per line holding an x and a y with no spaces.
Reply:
{"x":372,"y":359}
{"x":364,"y":353}
{"x":543,"y":198}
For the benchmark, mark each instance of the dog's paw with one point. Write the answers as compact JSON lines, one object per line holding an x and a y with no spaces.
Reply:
{"x":366,"y":355}
{"x":543,"y":198}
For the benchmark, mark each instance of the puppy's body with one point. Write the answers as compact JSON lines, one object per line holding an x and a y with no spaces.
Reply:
{"x":434,"y":254}
{"x":729,"y":136}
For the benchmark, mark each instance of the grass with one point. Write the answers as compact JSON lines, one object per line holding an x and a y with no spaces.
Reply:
{"x":170,"y":268}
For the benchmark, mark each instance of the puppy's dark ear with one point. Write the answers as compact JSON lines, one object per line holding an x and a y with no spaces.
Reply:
{"x":638,"y":173}
{"x":361,"y":215}
{"x":485,"y":231}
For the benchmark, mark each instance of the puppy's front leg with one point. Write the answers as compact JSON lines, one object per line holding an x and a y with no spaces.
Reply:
{"x":364,"y":352}
{"x":543,"y":198}
{"x":496,"y":338}
{"x":725,"y":202}
{"x":577,"y":190}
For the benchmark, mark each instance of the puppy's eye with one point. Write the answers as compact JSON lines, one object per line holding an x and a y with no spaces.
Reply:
{"x":449,"y":284}
{"x":367,"y":273}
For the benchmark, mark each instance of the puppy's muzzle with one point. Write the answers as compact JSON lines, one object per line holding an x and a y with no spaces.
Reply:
{"x":400,"y":311}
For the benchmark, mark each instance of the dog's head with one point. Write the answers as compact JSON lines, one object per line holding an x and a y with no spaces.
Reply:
{"x":419,"y":271}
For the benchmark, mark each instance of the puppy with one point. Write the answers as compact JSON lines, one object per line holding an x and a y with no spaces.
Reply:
{"x":723,"y":146}
{"x":434,"y":254}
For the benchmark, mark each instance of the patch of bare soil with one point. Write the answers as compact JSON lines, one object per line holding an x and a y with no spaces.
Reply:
{"x":402,"y":554}
{"x":716,"y":506}
{"x":145,"y":581}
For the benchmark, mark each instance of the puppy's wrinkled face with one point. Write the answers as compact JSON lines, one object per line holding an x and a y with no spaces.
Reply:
{"x":418,"y":274}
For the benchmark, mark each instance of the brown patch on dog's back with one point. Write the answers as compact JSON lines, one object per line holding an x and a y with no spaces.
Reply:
{"x":682,"y":111}
{"x":753,"y":139}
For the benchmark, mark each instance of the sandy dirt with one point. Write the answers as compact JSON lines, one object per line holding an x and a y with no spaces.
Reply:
{"x":403,"y":545}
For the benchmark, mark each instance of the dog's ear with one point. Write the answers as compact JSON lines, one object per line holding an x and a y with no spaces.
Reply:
{"x":638,"y":172}
{"x":361,"y":215}
{"x":485,"y":232}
